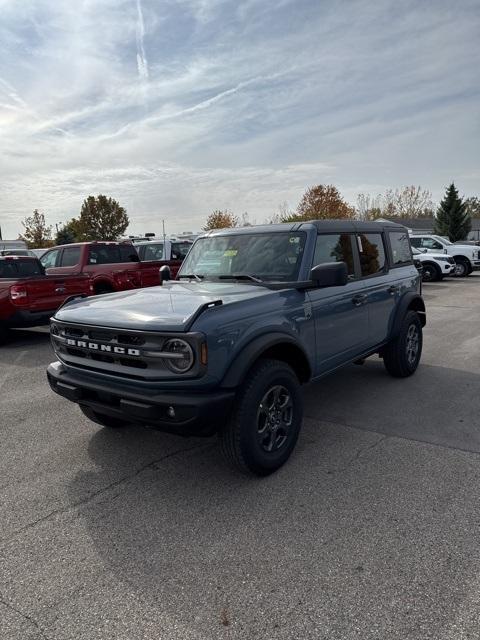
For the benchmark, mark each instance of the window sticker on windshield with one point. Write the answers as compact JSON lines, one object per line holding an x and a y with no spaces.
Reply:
{"x":295,"y":239}
{"x":230,"y":253}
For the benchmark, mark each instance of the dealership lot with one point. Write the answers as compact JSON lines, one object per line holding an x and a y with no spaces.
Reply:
{"x":370,"y":531}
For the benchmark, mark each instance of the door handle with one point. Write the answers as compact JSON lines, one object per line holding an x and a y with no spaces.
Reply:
{"x":360,"y":299}
{"x":392,"y":290}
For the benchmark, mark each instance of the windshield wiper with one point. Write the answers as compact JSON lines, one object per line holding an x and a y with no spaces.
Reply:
{"x":191,"y":276}
{"x":240,"y":276}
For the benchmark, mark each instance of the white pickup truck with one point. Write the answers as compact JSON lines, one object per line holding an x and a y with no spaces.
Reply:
{"x":467,"y":257}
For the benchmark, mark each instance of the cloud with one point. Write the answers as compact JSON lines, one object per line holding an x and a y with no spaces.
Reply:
{"x":240,"y":104}
{"x":141,"y":57}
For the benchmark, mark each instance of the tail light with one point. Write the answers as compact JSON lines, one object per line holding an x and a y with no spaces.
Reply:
{"x":19,"y":293}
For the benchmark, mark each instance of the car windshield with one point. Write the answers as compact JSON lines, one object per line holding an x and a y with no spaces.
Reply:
{"x":275,"y":256}
{"x":442,"y":239}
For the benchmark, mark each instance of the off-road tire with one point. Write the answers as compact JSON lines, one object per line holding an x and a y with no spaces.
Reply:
{"x":241,"y":438}
{"x":102,"y":419}
{"x":397,"y":355}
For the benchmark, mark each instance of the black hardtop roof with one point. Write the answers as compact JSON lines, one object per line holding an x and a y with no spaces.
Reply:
{"x":322,"y":226}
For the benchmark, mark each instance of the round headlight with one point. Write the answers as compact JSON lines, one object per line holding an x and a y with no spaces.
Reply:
{"x":181,"y":359}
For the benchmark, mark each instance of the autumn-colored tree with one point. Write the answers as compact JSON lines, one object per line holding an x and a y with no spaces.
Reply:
{"x":369,"y":207}
{"x":101,"y":218}
{"x":37,"y":234}
{"x":408,"y":202}
{"x":473,"y":206}
{"x":220,"y":220}
{"x":321,"y":202}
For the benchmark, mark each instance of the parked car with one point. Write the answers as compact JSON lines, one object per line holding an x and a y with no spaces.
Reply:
{"x":170,"y":254}
{"x":28,"y":297}
{"x":435,"y":266}
{"x":225,"y":348}
{"x":112,"y":266}
{"x":467,"y":257}
{"x":17,"y":252}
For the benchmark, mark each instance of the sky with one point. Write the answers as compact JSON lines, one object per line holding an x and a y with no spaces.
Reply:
{"x":179,"y":107}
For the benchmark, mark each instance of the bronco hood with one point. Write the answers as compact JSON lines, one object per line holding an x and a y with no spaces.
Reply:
{"x":171,"y":307}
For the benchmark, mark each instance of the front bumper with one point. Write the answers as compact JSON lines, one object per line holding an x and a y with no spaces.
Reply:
{"x":195,"y":414}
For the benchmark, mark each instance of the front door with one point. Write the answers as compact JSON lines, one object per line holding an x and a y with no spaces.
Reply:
{"x":340,"y":313}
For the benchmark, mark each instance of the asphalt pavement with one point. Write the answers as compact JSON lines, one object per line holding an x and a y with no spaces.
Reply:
{"x":371,"y":531}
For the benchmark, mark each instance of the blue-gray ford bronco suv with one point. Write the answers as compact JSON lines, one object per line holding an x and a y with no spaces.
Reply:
{"x":254,"y":313}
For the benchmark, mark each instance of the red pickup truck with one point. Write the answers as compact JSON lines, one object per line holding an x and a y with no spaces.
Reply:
{"x":28,"y":297}
{"x":111,"y":266}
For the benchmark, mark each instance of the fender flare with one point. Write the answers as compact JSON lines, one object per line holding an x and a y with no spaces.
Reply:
{"x":408,"y":301}
{"x":252,"y":351}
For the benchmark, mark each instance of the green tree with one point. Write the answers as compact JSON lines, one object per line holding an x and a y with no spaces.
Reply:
{"x":220,"y":220}
{"x":321,"y":202}
{"x":101,"y":218}
{"x":67,"y":233}
{"x":453,"y":219}
{"x":37,"y":234}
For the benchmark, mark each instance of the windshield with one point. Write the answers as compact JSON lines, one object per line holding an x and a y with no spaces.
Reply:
{"x":267,"y":256}
{"x":442,"y":239}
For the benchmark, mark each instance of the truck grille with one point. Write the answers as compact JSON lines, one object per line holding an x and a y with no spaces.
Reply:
{"x":130,"y":354}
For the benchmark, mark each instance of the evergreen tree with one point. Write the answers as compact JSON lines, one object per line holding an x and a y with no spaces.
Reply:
{"x":453,"y":219}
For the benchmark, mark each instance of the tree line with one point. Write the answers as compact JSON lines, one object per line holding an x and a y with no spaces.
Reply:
{"x":452,"y":217}
{"x":103,"y":218}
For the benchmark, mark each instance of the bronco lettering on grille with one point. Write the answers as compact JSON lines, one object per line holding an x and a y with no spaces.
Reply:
{"x":106,"y":348}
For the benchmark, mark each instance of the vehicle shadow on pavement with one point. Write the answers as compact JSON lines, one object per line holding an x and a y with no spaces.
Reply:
{"x":355,"y":531}
{"x":21,"y":338}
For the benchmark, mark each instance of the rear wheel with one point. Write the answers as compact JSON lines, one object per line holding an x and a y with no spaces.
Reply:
{"x":402,"y":355}
{"x":462,"y":268}
{"x":102,"y":419}
{"x":431,"y":273}
{"x":102,"y":288}
{"x":266,"y":419}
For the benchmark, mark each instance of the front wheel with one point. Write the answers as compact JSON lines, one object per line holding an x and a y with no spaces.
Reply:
{"x":463,"y":268}
{"x":431,"y":273}
{"x":402,"y":355}
{"x":266,"y":419}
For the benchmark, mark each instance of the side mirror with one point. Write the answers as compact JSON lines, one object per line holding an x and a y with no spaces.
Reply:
{"x":330,"y":274}
{"x":165,"y":273}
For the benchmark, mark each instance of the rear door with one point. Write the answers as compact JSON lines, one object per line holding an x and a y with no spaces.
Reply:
{"x":340,"y":313}
{"x":377,"y":285}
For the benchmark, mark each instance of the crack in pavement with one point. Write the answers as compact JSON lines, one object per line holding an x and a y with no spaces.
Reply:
{"x":358,"y":454}
{"x":25,"y":616}
{"x":126,"y":479}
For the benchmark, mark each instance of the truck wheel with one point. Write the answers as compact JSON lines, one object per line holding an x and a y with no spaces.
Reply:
{"x":402,"y":354}
{"x":266,"y":419}
{"x":463,"y":268}
{"x":102,"y":419}
{"x":102,"y":288}
{"x":431,"y":273}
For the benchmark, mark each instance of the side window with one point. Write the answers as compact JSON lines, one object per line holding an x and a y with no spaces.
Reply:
{"x":180,"y":250}
{"x":415,"y":242}
{"x":153,"y":251}
{"x":335,"y":247}
{"x":128,"y":253}
{"x":430,"y":243}
{"x":104,"y":254}
{"x":372,"y":253}
{"x":400,"y":248}
{"x":49,"y":259}
{"x":70,"y":257}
